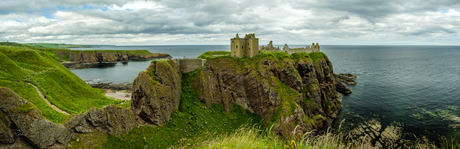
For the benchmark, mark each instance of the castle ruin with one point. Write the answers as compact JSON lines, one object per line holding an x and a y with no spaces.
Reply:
{"x":244,"y":47}
{"x":313,"y":48}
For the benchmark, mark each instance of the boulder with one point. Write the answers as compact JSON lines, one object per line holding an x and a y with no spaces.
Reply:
{"x":111,"y":119}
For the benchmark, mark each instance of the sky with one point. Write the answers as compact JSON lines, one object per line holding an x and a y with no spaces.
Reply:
{"x":204,"y":22}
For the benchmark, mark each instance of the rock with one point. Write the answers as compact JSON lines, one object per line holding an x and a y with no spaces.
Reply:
{"x":346,"y":78}
{"x":381,"y":137}
{"x":156,"y":92}
{"x":341,"y":88}
{"x":112,"y":86}
{"x":111,"y":119}
{"x":258,"y":86}
{"x":87,"y":59}
{"x":26,"y":123}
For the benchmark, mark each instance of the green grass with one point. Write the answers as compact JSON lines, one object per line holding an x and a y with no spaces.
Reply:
{"x":134,"y":52}
{"x":189,"y":121}
{"x":22,"y":65}
{"x":254,"y":138}
{"x":211,"y":54}
{"x":54,"y":45}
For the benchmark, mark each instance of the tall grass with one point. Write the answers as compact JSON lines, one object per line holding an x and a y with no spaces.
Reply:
{"x":253,"y":137}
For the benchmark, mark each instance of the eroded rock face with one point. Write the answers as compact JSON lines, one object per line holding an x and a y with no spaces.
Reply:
{"x":111,"y":119}
{"x":260,"y":86}
{"x":25,"y":127}
{"x":156,"y":92}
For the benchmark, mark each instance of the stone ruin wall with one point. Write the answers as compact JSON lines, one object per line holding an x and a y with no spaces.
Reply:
{"x":189,"y":64}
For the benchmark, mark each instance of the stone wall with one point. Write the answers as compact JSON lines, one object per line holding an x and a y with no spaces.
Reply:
{"x":313,"y":48}
{"x":189,"y":64}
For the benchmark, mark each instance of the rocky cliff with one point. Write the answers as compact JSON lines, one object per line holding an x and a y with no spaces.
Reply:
{"x":156,"y":92}
{"x":294,"y":93}
{"x":23,"y":126}
{"x":76,"y":58}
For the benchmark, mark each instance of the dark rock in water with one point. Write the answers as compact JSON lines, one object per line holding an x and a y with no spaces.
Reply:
{"x":25,"y":127}
{"x":111,"y":119}
{"x":346,"y":78}
{"x":112,"y":86}
{"x":156,"y":92}
{"x":341,"y":88}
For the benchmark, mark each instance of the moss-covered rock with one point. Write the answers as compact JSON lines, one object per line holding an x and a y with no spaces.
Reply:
{"x":156,"y":92}
{"x":24,"y":125}
{"x":111,"y":119}
{"x":296,"y":92}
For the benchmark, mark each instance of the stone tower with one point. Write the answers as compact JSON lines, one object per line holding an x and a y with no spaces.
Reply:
{"x":244,"y":47}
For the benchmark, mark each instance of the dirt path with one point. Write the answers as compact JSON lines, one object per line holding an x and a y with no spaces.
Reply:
{"x":48,"y":102}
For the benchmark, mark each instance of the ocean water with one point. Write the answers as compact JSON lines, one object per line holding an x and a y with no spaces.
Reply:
{"x":415,"y":86}
{"x":122,"y":73}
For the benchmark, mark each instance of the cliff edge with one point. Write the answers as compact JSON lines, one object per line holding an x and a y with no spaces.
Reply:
{"x":293,"y":93}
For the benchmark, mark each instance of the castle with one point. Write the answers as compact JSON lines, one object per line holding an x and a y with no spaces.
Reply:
{"x":313,"y":48}
{"x":244,"y":47}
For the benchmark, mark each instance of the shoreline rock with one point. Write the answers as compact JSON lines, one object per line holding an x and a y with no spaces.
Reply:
{"x":99,"y":58}
{"x":113,"y":86}
{"x":346,"y":78}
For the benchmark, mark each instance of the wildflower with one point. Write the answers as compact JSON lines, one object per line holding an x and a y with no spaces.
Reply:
{"x":286,"y":147}
{"x":293,"y":145}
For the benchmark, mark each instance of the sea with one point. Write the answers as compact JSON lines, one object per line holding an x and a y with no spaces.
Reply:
{"x":415,"y":87}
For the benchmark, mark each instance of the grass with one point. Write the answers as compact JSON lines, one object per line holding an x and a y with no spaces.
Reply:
{"x":211,"y":54}
{"x":53,"y":45}
{"x":253,"y":137}
{"x":23,"y":66}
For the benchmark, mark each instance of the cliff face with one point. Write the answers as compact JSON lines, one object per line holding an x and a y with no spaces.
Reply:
{"x":156,"y":92}
{"x":104,"y":56}
{"x":289,"y":93}
{"x":297,"y":93}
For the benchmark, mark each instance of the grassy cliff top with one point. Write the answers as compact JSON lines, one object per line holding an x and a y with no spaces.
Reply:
{"x":24,"y":66}
{"x":314,"y":56}
{"x":54,"y":45}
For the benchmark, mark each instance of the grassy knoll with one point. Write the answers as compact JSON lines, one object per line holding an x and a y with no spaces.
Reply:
{"x":23,"y":65}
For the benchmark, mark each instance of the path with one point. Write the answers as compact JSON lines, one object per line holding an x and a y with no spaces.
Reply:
{"x":48,"y":102}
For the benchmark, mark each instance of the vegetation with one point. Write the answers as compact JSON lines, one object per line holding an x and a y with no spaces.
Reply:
{"x":24,"y":66}
{"x":210,"y":54}
{"x":53,"y":45}
{"x":189,"y":121}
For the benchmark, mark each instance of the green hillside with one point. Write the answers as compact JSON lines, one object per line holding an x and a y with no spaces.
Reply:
{"x":24,"y":65}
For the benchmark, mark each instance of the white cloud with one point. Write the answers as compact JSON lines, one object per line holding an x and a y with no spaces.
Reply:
{"x":215,"y":21}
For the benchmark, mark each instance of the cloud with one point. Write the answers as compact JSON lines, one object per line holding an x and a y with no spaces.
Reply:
{"x":215,"y":21}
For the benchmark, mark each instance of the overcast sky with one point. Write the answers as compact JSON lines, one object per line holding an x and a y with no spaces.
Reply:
{"x":200,"y":22}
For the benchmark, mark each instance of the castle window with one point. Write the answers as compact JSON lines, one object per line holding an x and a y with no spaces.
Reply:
{"x":242,"y":47}
{"x":236,"y":46}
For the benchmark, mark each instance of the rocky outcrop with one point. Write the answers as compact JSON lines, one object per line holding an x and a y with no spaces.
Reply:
{"x":380,"y":136}
{"x":346,"y":78}
{"x":111,"y":119}
{"x":156,"y":92}
{"x":295,"y":94}
{"x":24,"y":127}
{"x":83,"y":59}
